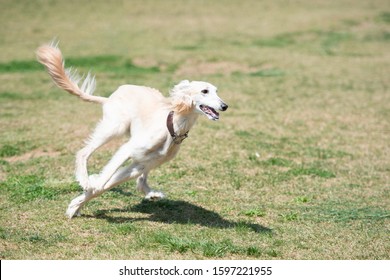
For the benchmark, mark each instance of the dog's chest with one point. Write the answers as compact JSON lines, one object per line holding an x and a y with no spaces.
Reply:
{"x":169,"y":151}
{"x":160,"y":153}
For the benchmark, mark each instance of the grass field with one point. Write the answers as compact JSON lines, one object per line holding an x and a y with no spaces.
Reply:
{"x":297,"y":168}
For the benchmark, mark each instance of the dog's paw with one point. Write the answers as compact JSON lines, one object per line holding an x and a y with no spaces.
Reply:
{"x":154,"y":196}
{"x":74,"y":208}
{"x":71,"y":212}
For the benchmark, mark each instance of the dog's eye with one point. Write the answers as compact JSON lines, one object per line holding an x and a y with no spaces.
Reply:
{"x":205,"y":91}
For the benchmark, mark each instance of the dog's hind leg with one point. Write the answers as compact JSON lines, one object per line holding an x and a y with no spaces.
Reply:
{"x":123,"y":174}
{"x":142,"y":185}
{"x":78,"y":202}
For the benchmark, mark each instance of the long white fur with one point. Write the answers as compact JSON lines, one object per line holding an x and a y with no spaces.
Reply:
{"x":138,"y":110}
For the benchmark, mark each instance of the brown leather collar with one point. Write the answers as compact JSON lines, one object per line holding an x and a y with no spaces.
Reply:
{"x":177,"y":139}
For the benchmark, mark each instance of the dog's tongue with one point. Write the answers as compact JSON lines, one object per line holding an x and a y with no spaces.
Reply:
{"x":210,"y":112}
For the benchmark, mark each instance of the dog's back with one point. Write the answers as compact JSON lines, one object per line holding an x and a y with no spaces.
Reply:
{"x":136,"y":105}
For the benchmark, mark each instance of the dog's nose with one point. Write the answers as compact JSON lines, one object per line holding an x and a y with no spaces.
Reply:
{"x":224,"y":107}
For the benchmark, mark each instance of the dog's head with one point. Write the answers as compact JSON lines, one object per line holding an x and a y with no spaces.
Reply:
{"x":201,"y":97}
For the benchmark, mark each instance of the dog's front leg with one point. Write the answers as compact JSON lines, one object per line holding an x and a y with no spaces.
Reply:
{"x":124,"y":174}
{"x":97,"y":182}
{"x":143,"y":186}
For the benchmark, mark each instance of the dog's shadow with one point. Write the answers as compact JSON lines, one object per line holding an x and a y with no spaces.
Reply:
{"x":179,"y":212}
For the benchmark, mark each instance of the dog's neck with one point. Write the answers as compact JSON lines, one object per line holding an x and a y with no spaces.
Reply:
{"x":179,"y":124}
{"x":184,"y":122}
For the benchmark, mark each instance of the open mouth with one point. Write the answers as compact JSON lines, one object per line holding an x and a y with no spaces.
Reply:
{"x":210,"y":112}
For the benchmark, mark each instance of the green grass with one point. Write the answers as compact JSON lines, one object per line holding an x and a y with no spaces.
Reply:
{"x":26,"y":188}
{"x":108,"y":63}
{"x":20,"y":66}
{"x":297,"y":168}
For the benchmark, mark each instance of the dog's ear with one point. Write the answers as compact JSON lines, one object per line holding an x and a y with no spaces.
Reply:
{"x":182,"y":100}
{"x":184,"y":83}
{"x":182,"y":86}
{"x":183,"y":103}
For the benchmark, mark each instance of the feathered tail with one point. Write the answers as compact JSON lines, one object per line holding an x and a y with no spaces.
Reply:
{"x":67,"y":79}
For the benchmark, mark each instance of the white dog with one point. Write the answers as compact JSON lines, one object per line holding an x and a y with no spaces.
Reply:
{"x":157,"y":126}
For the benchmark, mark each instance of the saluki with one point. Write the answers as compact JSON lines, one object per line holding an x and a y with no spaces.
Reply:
{"x":157,"y":125}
